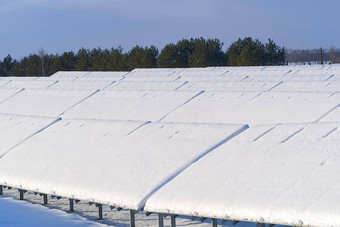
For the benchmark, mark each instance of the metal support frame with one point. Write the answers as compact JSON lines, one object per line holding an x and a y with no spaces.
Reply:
{"x":223,"y":221}
{"x":202,"y":219}
{"x":100,"y":211}
{"x":173,"y":220}
{"x":235,"y":222}
{"x":22,"y":192}
{"x":270,"y":225}
{"x":71,"y":205}
{"x":132,"y":218}
{"x":45,"y":199}
{"x":160,"y":220}
{"x":214,"y":222}
{"x":1,"y":190}
{"x":260,"y":224}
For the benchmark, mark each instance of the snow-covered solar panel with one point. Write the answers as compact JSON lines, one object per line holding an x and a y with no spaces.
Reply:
{"x":80,"y":85}
{"x":120,"y":163}
{"x":332,"y":115}
{"x":8,"y":93}
{"x":229,"y":86}
{"x":314,"y":86}
{"x":280,"y":174}
{"x":69,"y":75}
{"x":203,"y":72}
{"x":147,"y":85}
{"x":105,"y":75}
{"x":160,"y":72}
{"x":256,"y":108}
{"x":153,"y":78}
{"x":15,"y":129}
{"x":44,"y":102}
{"x":29,"y":84}
{"x":130,"y":105}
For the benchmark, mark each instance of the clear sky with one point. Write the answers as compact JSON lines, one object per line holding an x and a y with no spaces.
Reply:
{"x":64,"y":25}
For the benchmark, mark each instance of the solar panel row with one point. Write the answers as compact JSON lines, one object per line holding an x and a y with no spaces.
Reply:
{"x":242,"y":143}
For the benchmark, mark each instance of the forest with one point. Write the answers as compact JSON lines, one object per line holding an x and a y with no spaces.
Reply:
{"x":194,"y":52}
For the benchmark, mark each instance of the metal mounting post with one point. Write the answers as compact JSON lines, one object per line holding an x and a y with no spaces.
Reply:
{"x":214,"y":222}
{"x":100,"y":211}
{"x":132,"y":218}
{"x":173,"y":220}
{"x":1,"y":190}
{"x":71,"y":205}
{"x":45,"y":199}
{"x":160,"y":220}
{"x":22,"y":192}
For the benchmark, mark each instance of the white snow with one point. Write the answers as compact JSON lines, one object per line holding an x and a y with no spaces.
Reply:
{"x":130,"y":105}
{"x":82,"y":84}
{"x":256,"y":108}
{"x":177,"y":140}
{"x":21,"y":213}
{"x":111,"y":162}
{"x":147,"y":85}
{"x":29,"y":84}
{"x":43,"y":102}
{"x":272,"y":174}
{"x":15,"y":129}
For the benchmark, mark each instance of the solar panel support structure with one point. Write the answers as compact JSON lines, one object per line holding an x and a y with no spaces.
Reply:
{"x":214,"y":222}
{"x":45,"y":199}
{"x":1,"y":190}
{"x":71,"y":205}
{"x":22,"y":192}
{"x":173,"y":220}
{"x":160,"y":220}
{"x":260,"y":224}
{"x":132,"y":218}
{"x":100,"y":211}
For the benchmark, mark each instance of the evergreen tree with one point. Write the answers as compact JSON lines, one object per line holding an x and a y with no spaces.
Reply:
{"x":83,"y":60}
{"x":206,"y":53}
{"x":139,"y":57}
{"x":6,"y":65}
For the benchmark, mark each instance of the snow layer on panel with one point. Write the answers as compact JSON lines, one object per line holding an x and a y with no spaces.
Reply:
{"x":3,"y":82}
{"x":20,"y":78}
{"x":7,"y":93}
{"x":98,"y":84}
{"x":111,"y":162}
{"x":223,"y":78}
{"x":153,"y":78}
{"x":229,"y":86}
{"x":284,"y":174}
{"x":161,"y":72}
{"x":203,"y":72}
{"x":45,"y":102}
{"x":69,"y":74}
{"x":211,"y":107}
{"x":29,"y":84}
{"x":106,"y":75}
{"x":21,"y":213}
{"x":130,"y":105}
{"x":333,"y":115}
{"x":15,"y":129}
{"x":255,"y":108}
{"x":309,"y":86}
{"x":147,"y":85}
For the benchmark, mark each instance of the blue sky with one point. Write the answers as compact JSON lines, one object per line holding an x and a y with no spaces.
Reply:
{"x":64,"y":25}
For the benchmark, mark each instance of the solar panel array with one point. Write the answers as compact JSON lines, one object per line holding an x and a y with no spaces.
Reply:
{"x":256,"y":144}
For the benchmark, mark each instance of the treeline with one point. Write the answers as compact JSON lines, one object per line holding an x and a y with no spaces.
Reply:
{"x":198,"y":52}
{"x":314,"y":55}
